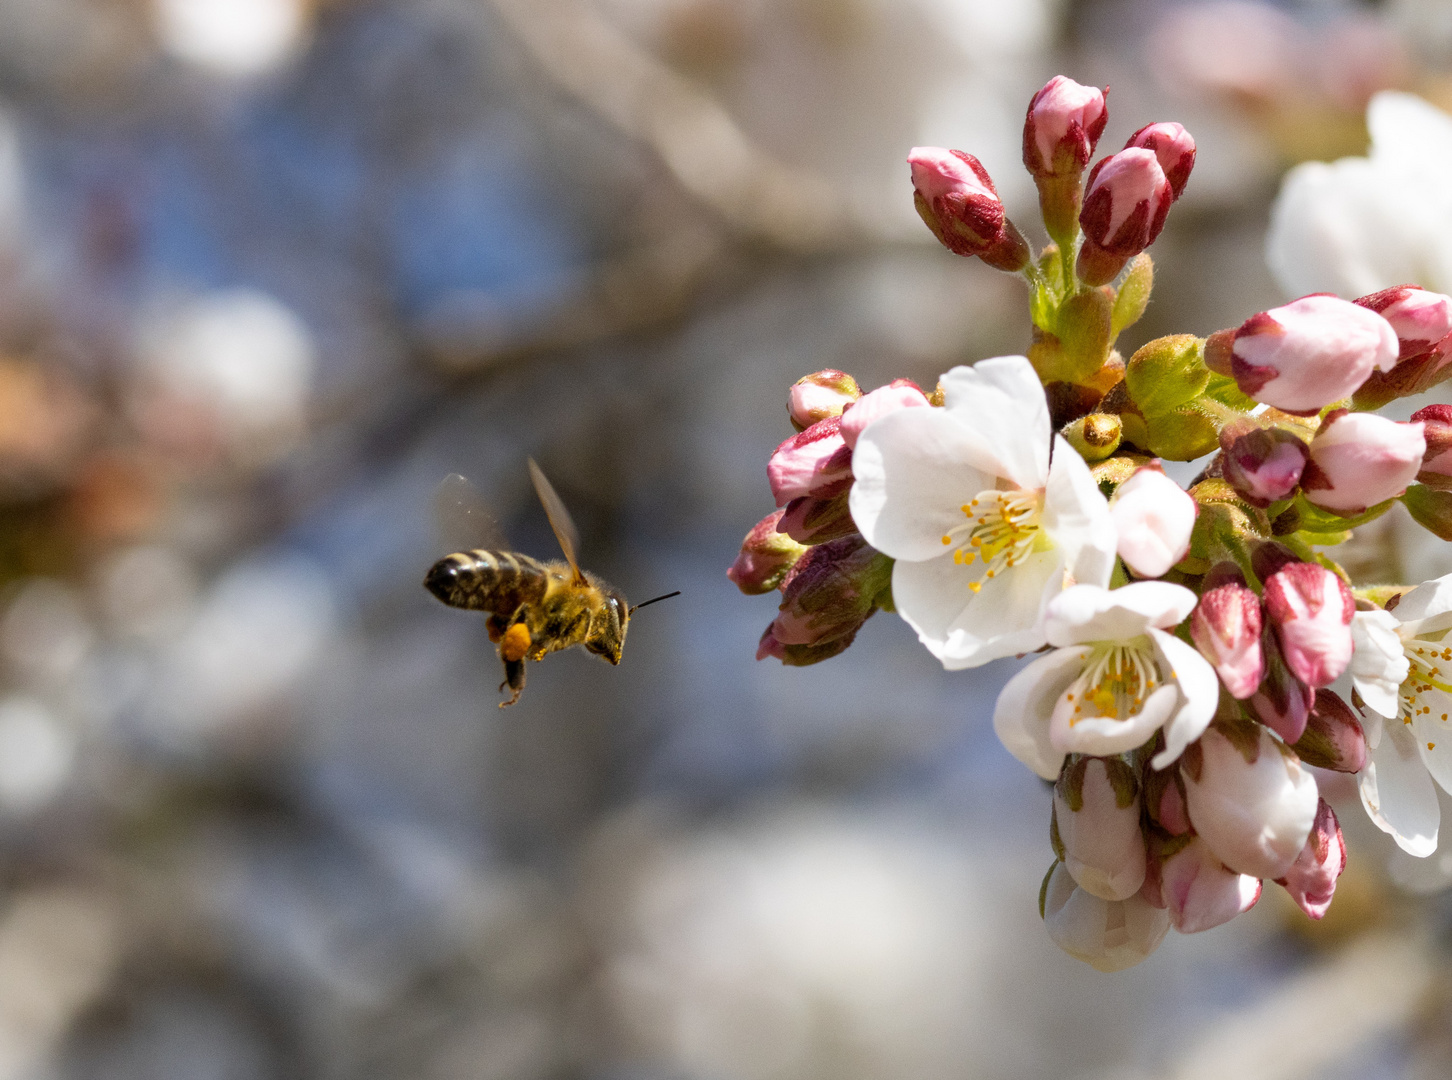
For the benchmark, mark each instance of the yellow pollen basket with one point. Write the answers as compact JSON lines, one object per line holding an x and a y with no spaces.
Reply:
{"x":1004,"y":530}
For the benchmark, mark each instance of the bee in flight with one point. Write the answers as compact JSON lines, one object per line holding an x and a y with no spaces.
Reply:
{"x":535,"y":608}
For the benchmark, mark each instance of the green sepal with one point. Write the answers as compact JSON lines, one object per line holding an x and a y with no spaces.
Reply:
{"x":1167,"y":373}
{"x":1044,"y":888}
{"x":1431,"y":509}
{"x":1314,"y":519}
{"x":1133,"y":295}
{"x":1223,"y":389}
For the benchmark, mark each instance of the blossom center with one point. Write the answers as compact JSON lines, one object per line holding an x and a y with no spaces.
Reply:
{"x":1430,"y":669}
{"x":1117,"y":678}
{"x":1003,"y":530}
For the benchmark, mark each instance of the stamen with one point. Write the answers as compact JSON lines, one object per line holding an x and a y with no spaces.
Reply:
{"x":1003,"y":530}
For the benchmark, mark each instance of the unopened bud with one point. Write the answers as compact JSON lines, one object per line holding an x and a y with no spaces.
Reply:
{"x":820,"y":396}
{"x":957,"y":200}
{"x":1436,"y":470}
{"x":1173,"y":147}
{"x":1414,"y":376}
{"x":1431,"y":509}
{"x":1311,"y":609}
{"x":800,"y":655}
{"x":1109,"y":935}
{"x":1095,"y":436}
{"x":1125,"y":205}
{"x":1311,"y":880}
{"x":1062,"y":128}
{"x":765,"y":558}
{"x":1166,"y":373}
{"x":1249,"y":798}
{"x":812,"y":462}
{"x":1263,"y":464}
{"x":1334,"y":738}
{"x":1308,"y":353}
{"x":1200,"y":891}
{"x":1282,"y":702}
{"x":831,"y":592}
{"x":1226,"y":628}
{"x":809,"y":520}
{"x":1096,"y":814}
{"x":1164,"y":800}
{"x":1421,"y":318}
{"x":1361,"y":459}
{"x":1154,"y":518}
{"x":898,"y":394}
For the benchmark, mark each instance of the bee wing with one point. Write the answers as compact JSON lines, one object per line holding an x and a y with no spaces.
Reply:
{"x":560,"y":520}
{"x":462,"y":517}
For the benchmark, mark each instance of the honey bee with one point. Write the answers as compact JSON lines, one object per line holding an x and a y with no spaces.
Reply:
{"x":535,"y":608}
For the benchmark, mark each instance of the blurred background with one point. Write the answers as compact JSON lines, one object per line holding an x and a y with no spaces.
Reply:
{"x":270,"y":269}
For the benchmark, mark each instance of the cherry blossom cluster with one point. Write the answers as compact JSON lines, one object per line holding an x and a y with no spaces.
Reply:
{"x":1197,"y":651}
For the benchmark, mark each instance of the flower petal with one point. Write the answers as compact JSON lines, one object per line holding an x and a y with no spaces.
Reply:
{"x":1025,"y":704}
{"x":1003,"y":400}
{"x":1398,"y":794}
{"x":1106,"y":735}
{"x":1076,"y":517}
{"x":1378,"y":662}
{"x":1428,"y":599}
{"x":1199,"y":695}
{"x":964,"y":629}
{"x":1089,"y":613}
{"x":913,"y":474}
{"x":1434,"y":735}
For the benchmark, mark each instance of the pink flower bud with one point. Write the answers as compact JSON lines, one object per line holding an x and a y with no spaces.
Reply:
{"x":1164,"y":800}
{"x":813,"y":462}
{"x":1200,"y":892}
{"x":1250,"y":800}
{"x":1308,"y":353}
{"x":831,"y":591}
{"x":1360,"y":459}
{"x":1311,"y":880}
{"x":766,"y":557}
{"x":1421,"y":318}
{"x":809,"y":520}
{"x":1263,"y":464}
{"x":1125,"y":206}
{"x":800,"y":655}
{"x":1154,"y":517}
{"x":1334,"y":738}
{"x":1311,"y":610}
{"x":1109,"y":935}
{"x":957,"y":200}
{"x":898,"y":394}
{"x":1282,"y":702}
{"x":820,"y":396}
{"x":1173,"y":147}
{"x":1226,"y":628}
{"x":1096,"y":815}
{"x":1062,"y":128}
{"x":1436,"y":470}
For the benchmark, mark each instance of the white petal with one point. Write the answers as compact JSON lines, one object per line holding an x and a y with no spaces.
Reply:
{"x":1003,"y":400}
{"x":1409,"y":132}
{"x":1426,"y":600}
{"x":1110,"y":935}
{"x":1398,"y":794}
{"x":1076,"y":517}
{"x":1434,"y":735}
{"x":1021,"y":715}
{"x":964,"y":629}
{"x":913,"y":473}
{"x":1199,"y":695}
{"x":1090,"y":613}
{"x":1106,"y":735}
{"x":1378,"y":662}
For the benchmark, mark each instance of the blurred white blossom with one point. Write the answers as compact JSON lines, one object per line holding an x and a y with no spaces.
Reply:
{"x":36,"y":753}
{"x":231,"y":37}
{"x":1362,"y":224}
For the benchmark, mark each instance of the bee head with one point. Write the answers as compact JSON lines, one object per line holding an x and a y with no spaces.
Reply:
{"x":607,"y":632}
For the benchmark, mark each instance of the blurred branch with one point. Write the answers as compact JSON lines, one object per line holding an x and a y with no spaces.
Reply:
{"x":692,"y":133}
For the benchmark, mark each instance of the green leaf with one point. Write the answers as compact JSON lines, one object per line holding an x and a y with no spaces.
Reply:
{"x":1134,"y":294}
{"x":1223,"y":389}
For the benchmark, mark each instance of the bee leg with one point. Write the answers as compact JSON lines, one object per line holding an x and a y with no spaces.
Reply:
{"x":496,"y":626}
{"x":513,"y":647}
{"x":514,"y":679}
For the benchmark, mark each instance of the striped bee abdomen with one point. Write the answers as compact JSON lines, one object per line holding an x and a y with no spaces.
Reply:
{"x":495,"y":581}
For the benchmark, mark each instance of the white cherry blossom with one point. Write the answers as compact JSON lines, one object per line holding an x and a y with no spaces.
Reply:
{"x":1115,"y":679}
{"x":1402,"y":668}
{"x":984,"y":528}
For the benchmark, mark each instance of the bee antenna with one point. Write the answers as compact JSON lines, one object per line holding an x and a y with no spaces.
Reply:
{"x":656,"y":600}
